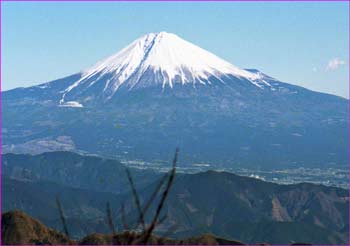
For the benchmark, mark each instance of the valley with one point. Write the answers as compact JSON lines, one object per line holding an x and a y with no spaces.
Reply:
{"x":329,"y":176}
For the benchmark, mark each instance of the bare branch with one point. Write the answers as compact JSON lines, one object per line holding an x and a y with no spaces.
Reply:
{"x":150,"y":229}
{"x":125,"y":224}
{"x":62,"y":217}
{"x":136,"y":198}
{"x":161,"y":220}
{"x":155,"y":192}
{"x":110,"y":219}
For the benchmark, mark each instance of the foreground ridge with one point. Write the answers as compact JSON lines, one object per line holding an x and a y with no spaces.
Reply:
{"x":19,"y":228}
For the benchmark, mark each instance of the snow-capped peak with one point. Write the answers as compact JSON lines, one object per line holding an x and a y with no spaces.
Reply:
{"x":158,"y":58}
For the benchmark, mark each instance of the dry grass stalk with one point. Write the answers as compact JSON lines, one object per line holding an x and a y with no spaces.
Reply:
{"x":123,"y":217}
{"x":110,"y":219}
{"x":62,"y":217}
{"x":136,"y":198}
{"x":148,"y":232}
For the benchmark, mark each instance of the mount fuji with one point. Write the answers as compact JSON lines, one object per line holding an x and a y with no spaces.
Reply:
{"x":160,"y":59}
{"x":162,"y":91}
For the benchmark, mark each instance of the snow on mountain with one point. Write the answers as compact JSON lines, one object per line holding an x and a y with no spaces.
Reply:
{"x":71,"y":104}
{"x":222,"y":114}
{"x":159,"y":58}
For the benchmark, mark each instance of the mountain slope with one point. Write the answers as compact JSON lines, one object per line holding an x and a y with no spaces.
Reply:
{"x":222,"y":203}
{"x":161,"y":92}
{"x":84,"y":209}
{"x":254,"y":211}
{"x":78,"y":171}
{"x":18,"y":228}
{"x":227,"y":205}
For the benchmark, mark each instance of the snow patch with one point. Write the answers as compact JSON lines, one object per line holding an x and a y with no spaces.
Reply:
{"x":170,"y":58}
{"x":71,"y":104}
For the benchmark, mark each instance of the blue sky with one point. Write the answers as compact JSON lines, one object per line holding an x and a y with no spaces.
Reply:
{"x":299,"y":43}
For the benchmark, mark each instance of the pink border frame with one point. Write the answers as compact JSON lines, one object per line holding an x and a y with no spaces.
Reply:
{"x":175,"y":1}
{"x":172,"y":1}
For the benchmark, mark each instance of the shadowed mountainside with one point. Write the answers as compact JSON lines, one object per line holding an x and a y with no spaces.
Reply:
{"x":221,"y":203}
{"x":74,"y":170}
{"x":254,"y":211}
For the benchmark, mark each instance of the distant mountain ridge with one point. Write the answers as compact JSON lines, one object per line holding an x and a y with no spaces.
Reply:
{"x":73,"y":170}
{"x":223,"y":202}
{"x":230,"y":206}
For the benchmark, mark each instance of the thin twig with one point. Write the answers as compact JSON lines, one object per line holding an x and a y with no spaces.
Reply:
{"x":110,"y":219}
{"x":149,"y":231}
{"x":136,"y":198}
{"x":152,"y":197}
{"x":161,"y":220}
{"x":62,"y":217}
{"x":123,"y":217}
{"x":154,"y":194}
